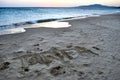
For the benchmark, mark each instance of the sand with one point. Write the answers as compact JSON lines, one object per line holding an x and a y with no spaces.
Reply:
{"x":87,"y":50}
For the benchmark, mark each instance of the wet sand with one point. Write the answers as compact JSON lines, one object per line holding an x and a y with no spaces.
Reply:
{"x":87,"y":50}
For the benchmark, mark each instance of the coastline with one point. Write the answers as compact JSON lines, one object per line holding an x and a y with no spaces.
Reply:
{"x":88,"y":49}
{"x":21,"y":27}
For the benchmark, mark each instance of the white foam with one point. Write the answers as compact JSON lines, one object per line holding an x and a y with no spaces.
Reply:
{"x":12,"y":31}
{"x":53,"y":24}
{"x":56,"y":24}
{"x":95,"y":15}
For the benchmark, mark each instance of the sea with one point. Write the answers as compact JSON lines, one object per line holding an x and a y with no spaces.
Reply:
{"x":15,"y":17}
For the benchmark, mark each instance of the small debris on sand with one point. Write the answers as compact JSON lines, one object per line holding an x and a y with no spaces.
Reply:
{"x":57,"y":70}
{"x":4,"y":65}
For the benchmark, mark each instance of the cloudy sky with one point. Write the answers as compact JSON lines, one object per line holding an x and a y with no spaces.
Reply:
{"x":55,"y":3}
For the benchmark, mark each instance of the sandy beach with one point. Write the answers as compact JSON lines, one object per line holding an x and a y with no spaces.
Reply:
{"x":87,"y":50}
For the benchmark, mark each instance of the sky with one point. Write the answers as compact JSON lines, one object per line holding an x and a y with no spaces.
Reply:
{"x":55,"y":3}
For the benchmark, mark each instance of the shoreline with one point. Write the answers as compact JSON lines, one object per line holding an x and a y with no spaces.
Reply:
{"x":44,"y":23}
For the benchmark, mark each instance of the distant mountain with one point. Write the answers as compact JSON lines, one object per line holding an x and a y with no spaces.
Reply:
{"x":97,"y":6}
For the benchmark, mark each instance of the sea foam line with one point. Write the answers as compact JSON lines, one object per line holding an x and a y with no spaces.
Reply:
{"x":12,"y":31}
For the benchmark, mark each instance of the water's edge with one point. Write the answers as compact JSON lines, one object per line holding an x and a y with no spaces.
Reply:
{"x":20,"y":27}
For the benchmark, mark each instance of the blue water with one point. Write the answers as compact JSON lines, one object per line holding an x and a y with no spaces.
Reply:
{"x":9,"y":16}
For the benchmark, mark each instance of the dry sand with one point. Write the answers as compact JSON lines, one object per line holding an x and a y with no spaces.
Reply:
{"x":88,"y":50}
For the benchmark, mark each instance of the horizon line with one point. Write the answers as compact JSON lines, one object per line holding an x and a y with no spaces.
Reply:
{"x":59,"y":7}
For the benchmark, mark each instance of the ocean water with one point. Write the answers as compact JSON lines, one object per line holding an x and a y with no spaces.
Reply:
{"x":15,"y":17}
